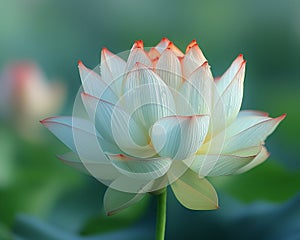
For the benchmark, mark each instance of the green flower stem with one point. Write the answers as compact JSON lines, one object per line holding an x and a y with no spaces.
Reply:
{"x":161,"y":215}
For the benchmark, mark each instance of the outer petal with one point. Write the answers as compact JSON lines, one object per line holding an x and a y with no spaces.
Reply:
{"x":195,"y":193}
{"x":175,"y":50}
{"x":112,"y":70}
{"x":196,"y":93}
{"x":192,"y":59}
{"x":252,"y":136}
{"x":169,"y":69}
{"x":129,"y":184}
{"x":115,"y":201}
{"x":138,"y":54}
{"x":105,"y":172}
{"x":79,"y":135}
{"x":260,"y":158}
{"x":229,"y":103}
{"x":219,"y":165}
{"x":73,"y":160}
{"x":154,"y":54}
{"x":248,"y":113}
{"x":224,"y":81}
{"x":162,"y":45}
{"x":147,"y":98}
{"x":242,"y":123}
{"x":166,"y":43}
{"x":179,"y":137}
{"x":94,"y":85}
{"x":141,"y":168}
{"x":116,"y":126}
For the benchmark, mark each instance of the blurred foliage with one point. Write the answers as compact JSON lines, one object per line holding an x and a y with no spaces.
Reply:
{"x":32,"y":187}
{"x":234,"y":220}
{"x":28,"y":227}
{"x":269,"y":182}
{"x":59,"y":203}
{"x":115,"y":222}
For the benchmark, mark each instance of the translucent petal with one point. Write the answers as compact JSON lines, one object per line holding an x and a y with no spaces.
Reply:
{"x":248,"y":113}
{"x":169,"y":69}
{"x":118,"y":127}
{"x":124,"y":183}
{"x":224,"y":81}
{"x":175,"y":50}
{"x":252,"y":136}
{"x":115,"y":201}
{"x":147,"y":98}
{"x":141,"y":168}
{"x":193,"y":59}
{"x":166,"y":43}
{"x":241,"y":123}
{"x":228,"y":105}
{"x":260,"y":158}
{"x":138,"y":54}
{"x":154,"y":54}
{"x":79,"y":135}
{"x":247,"y":152}
{"x":195,"y":193}
{"x":196,"y":92}
{"x":73,"y":160}
{"x":105,"y":172}
{"x":112,"y":70}
{"x":162,"y":45}
{"x":179,"y":137}
{"x":219,"y":165}
{"x":94,"y":85}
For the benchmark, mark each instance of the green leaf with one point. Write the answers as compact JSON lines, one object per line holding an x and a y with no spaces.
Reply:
{"x":194,"y":192}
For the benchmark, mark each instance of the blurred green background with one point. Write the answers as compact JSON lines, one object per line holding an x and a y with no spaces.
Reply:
{"x":41,"y":198}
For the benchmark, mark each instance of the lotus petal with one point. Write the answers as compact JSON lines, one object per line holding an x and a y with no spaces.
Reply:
{"x":179,"y":137}
{"x":94,"y":85}
{"x":118,"y":127}
{"x":147,"y":98}
{"x":115,"y":201}
{"x":194,"y":192}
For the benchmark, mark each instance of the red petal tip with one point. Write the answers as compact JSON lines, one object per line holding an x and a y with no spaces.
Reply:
{"x":241,"y":56}
{"x":192,"y":44}
{"x":170,"y":44}
{"x":280,"y":118}
{"x":139,"y":44}
{"x":106,"y":51}
{"x":44,"y":121}
{"x":205,"y":64}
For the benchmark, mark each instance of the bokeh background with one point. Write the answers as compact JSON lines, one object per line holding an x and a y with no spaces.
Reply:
{"x":41,"y":198}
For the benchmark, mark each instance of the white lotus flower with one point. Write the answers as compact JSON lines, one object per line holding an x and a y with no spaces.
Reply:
{"x":160,"y":118}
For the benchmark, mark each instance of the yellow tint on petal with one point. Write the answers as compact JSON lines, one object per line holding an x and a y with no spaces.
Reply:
{"x":195,"y":193}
